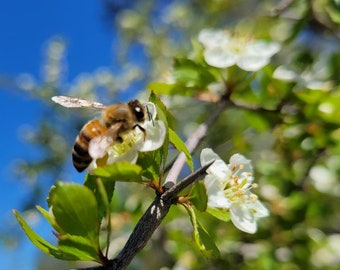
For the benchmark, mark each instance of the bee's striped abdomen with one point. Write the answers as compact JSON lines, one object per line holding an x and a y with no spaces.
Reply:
{"x":80,"y":155}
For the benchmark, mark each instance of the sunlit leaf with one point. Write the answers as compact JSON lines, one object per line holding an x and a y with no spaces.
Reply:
{"x":41,"y":243}
{"x":219,"y":213}
{"x":189,"y":72}
{"x":47,"y":215}
{"x":168,"y":120}
{"x":106,"y":204}
{"x":311,"y":96}
{"x":92,"y":182}
{"x":150,"y":164}
{"x":75,"y":210}
{"x":163,"y":113}
{"x":78,"y":246}
{"x":120,"y":171}
{"x":181,"y":147}
{"x":333,"y":9}
{"x":257,"y":121}
{"x":210,"y":247}
{"x":329,"y":108}
{"x":201,"y":236}
{"x":199,"y":196}
{"x":170,"y":89}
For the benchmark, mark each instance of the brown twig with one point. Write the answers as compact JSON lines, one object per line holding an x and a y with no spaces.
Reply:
{"x":194,"y":140}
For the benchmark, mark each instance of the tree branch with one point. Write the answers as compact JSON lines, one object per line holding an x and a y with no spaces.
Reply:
{"x":194,"y":140}
{"x":149,"y":222}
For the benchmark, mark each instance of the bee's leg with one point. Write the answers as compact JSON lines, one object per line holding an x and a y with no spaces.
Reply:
{"x":141,"y":128}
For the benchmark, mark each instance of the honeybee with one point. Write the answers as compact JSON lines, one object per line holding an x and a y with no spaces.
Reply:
{"x":99,"y":133}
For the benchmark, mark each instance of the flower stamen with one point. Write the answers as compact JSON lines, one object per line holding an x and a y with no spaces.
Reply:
{"x":129,"y":140}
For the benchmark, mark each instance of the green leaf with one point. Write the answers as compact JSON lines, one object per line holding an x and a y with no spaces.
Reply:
{"x":91,"y":181}
{"x":191,"y":78}
{"x":103,"y":194}
{"x":171,"y":89}
{"x":168,"y":120}
{"x":311,"y":96}
{"x":188,"y":72}
{"x":163,"y":113}
{"x":120,"y":171}
{"x":79,"y":246}
{"x":199,"y":196}
{"x":181,"y":147}
{"x":201,"y":236}
{"x":41,"y":243}
{"x":106,"y":204}
{"x":257,"y":121}
{"x":50,"y":218}
{"x":328,"y":108}
{"x":210,"y":247}
{"x":333,"y":9}
{"x":75,"y":210}
{"x":45,"y":214}
{"x":150,"y":164}
{"x":221,"y":214}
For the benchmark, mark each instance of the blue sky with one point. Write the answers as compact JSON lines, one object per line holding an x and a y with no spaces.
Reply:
{"x":25,"y":27}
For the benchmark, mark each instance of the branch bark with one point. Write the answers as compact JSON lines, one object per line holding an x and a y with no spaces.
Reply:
{"x":194,"y":140}
{"x":149,"y":222}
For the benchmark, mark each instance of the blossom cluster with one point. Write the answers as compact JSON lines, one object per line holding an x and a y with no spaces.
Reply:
{"x":223,"y":50}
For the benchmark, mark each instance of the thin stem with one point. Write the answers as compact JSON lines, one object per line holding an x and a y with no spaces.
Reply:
{"x":194,"y":140}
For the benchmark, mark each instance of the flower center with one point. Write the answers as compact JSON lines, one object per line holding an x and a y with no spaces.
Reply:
{"x":237,"y":186}
{"x":129,"y":140}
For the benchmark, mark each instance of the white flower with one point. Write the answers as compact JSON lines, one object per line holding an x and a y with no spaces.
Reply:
{"x":145,"y":137}
{"x":314,"y":79}
{"x":223,"y":50}
{"x":228,"y":187}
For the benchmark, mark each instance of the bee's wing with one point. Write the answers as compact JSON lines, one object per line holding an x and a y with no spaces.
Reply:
{"x":74,"y":102}
{"x":98,"y":145}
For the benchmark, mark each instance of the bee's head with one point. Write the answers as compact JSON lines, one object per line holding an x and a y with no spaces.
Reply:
{"x":138,"y":110}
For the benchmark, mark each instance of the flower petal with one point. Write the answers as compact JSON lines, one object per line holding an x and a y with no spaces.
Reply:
{"x":219,"y":57}
{"x":218,"y":200}
{"x":155,"y":135}
{"x":130,"y":156}
{"x":285,"y":74}
{"x":263,"y":48}
{"x":216,"y":196}
{"x":213,"y":38}
{"x":219,"y":169}
{"x":151,"y":111}
{"x":257,"y":54}
{"x":259,"y":209}
{"x":207,"y":156}
{"x":252,"y":62}
{"x":238,"y":159}
{"x":243,"y":218}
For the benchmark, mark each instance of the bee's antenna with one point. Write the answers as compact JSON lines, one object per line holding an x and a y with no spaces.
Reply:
{"x":149,"y":115}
